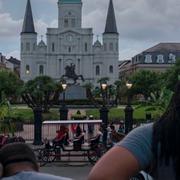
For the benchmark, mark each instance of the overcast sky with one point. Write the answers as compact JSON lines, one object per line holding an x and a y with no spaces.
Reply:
{"x":141,"y":23}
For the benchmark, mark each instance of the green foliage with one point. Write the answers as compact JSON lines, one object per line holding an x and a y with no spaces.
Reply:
{"x":44,"y":90}
{"x":6,"y":125}
{"x":172,"y":75}
{"x":145,"y":82}
{"x":10,"y":84}
{"x":162,"y":100}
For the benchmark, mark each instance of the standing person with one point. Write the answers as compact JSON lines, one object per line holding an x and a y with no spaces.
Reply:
{"x":19,"y":162}
{"x":154,"y":146}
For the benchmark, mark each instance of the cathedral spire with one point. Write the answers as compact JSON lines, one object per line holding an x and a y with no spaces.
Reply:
{"x":111,"y":20}
{"x":28,"y":24}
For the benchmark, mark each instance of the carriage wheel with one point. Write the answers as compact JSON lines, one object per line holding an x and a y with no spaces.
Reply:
{"x":93,"y":156}
{"x":48,"y":155}
{"x":38,"y":154}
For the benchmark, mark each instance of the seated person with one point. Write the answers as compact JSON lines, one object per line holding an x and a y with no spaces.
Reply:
{"x":98,"y":135}
{"x":114,"y":136}
{"x":61,"y":134}
{"x":78,"y":141}
{"x":78,"y":131}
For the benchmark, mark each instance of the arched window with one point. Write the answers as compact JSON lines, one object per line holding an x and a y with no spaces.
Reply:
{"x":66,"y":23}
{"x":21,"y":46}
{"x":73,"y":22}
{"x":111,"y":69}
{"x":160,"y":58}
{"x":148,"y":58}
{"x":41,"y":70}
{"x":34,"y":46}
{"x":117,"y":47}
{"x":27,"y":71}
{"x":105,"y":47}
{"x":53,"y":47}
{"x":172,"y":58}
{"x":86,"y":47}
{"x":111,"y":47}
{"x":69,"y":49}
{"x":27,"y":46}
{"x":97,"y":70}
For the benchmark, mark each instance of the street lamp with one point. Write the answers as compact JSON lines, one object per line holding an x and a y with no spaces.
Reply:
{"x":104,"y":112}
{"x":37,"y":110}
{"x":128,"y":111}
{"x":63,"y":109}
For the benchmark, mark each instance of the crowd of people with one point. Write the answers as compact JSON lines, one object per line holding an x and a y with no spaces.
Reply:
{"x":153,"y":147}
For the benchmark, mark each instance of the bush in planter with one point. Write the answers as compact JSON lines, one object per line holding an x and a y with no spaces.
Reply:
{"x":78,"y":117}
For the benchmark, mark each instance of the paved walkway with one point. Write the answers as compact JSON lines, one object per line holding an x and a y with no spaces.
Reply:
{"x":71,"y":171}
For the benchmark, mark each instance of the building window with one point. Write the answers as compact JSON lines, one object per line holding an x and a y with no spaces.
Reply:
{"x":86,"y":47}
{"x":41,"y":70}
{"x":53,"y":47}
{"x":27,"y":46}
{"x":97,"y":70}
{"x":34,"y":46}
{"x":117,"y":48}
{"x":65,"y":23}
{"x":27,"y":69}
{"x":172,"y":58}
{"x":21,"y":46}
{"x":111,"y":48}
{"x":69,"y":49}
{"x":105,"y":47}
{"x":160,"y":58}
{"x":73,"y":22}
{"x":148,"y":58}
{"x":111,"y":69}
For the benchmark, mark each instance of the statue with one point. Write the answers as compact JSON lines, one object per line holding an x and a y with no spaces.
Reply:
{"x":70,"y":73}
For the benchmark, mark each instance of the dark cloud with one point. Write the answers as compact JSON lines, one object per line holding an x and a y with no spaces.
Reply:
{"x":140,"y":22}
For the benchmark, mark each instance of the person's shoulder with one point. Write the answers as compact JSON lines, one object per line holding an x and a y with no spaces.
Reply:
{"x":143,"y":129}
{"x":35,"y":175}
{"x":44,"y":176}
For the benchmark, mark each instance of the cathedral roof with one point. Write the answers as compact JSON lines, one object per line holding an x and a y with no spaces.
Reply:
{"x":69,"y":1}
{"x":41,"y":43}
{"x":97,"y":43}
{"x":28,"y":24}
{"x":111,"y":20}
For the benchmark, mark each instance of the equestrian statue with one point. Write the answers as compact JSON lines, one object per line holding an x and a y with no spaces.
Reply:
{"x":70,"y":73}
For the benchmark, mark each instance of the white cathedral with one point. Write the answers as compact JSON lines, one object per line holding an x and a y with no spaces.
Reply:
{"x":70,"y":44}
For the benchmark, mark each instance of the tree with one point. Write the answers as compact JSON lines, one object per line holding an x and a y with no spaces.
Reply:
{"x":43,"y":91}
{"x":121,"y":90}
{"x":145,"y":82}
{"x":172,"y":75}
{"x":10,"y":84}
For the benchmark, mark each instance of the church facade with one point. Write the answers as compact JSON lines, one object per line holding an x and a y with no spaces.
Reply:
{"x":70,"y":45}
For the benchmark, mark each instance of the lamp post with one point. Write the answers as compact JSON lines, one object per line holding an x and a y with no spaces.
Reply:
{"x":37,"y":110}
{"x":63,"y":109}
{"x":128,"y":111}
{"x":104,"y":112}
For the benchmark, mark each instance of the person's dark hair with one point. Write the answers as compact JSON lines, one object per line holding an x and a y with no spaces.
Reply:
{"x":17,"y":153}
{"x":78,"y":130}
{"x":112,"y":127}
{"x":166,"y":136}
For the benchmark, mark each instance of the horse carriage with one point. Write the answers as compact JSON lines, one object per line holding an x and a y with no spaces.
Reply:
{"x":81,"y":149}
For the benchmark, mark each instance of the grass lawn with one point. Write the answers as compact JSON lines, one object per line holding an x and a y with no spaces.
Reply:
{"x":117,"y":114}
{"x":26,"y":114}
